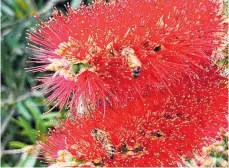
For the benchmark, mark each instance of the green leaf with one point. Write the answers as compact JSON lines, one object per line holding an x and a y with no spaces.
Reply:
{"x":25,"y":124}
{"x":27,"y":129}
{"x":63,"y":115}
{"x":7,"y":9}
{"x":49,"y":116}
{"x":33,"y":108}
{"x":48,"y":124}
{"x":23,"y":111}
{"x":40,"y":126}
{"x":21,"y":80}
{"x":17,"y":144}
{"x":15,"y":121}
{"x":27,"y":160}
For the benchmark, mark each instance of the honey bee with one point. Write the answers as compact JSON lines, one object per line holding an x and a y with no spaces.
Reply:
{"x":157,"y":48}
{"x":157,"y":134}
{"x":98,"y":162}
{"x":136,"y":72}
{"x":104,"y":138}
{"x":132,"y":60}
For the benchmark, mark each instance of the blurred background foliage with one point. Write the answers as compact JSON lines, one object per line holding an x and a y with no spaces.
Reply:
{"x":22,"y":118}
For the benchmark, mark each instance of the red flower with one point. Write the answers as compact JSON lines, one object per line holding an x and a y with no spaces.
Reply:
{"x":148,"y":132}
{"x":125,"y":50}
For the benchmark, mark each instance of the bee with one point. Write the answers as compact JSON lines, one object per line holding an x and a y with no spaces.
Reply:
{"x":132,"y":60}
{"x":98,"y":162}
{"x":136,"y":72}
{"x":104,"y":138}
{"x":157,"y":48}
{"x":157,"y":134}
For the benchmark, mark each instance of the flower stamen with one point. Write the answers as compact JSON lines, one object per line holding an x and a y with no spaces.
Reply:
{"x":68,"y":70}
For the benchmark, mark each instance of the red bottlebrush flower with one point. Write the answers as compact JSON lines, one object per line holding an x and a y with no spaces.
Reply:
{"x":148,"y":132}
{"x":124,"y":50}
